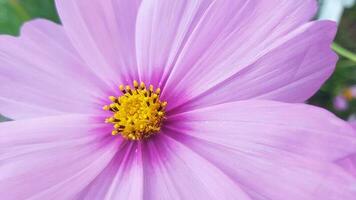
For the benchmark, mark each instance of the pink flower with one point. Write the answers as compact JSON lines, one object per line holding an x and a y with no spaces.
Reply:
{"x":341,"y":101}
{"x":214,"y":129}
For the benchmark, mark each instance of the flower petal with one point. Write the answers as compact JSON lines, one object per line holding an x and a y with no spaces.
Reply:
{"x":172,"y":171}
{"x":121,"y":179}
{"x":276,"y":177}
{"x":230,"y":35}
{"x":103,"y":32}
{"x":268,"y":126}
{"x":291,"y":70}
{"x":271,"y":149}
{"x":353,"y":124}
{"x":53,"y":157}
{"x":43,"y":74}
{"x":161,"y":29}
{"x":349,"y":163}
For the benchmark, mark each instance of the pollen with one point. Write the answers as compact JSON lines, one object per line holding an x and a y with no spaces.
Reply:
{"x":138,"y":113}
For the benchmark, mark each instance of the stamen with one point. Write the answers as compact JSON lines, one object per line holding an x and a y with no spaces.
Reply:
{"x":135,"y":83}
{"x":143,"y":86}
{"x":138,"y":113}
{"x":122,"y":89}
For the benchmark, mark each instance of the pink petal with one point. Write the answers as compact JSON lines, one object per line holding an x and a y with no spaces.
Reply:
{"x":230,"y":35}
{"x":270,"y":126}
{"x":353,"y":124}
{"x":279,"y":176}
{"x":103,"y":32}
{"x":273,"y":150}
{"x":291,"y":70}
{"x":121,"y":179}
{"x":161,"y":29}
{"x":43,"y":74}
{"x":349,"y":163}
{"x":53,"y":157}
{"x":172,"y":171}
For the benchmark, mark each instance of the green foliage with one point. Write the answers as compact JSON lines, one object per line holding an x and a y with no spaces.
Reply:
{"x":14,"y":12}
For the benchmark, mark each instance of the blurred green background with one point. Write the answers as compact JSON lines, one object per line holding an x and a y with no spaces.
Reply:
{"x":14,"y":12}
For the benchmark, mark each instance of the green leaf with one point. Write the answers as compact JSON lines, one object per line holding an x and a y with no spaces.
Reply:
{"x":13,"y":13}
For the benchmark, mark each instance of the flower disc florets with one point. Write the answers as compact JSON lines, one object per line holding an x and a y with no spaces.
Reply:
{"x":138,"y":113}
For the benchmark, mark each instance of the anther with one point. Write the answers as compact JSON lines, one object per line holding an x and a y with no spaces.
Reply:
{"x":113,"y":106}
{"x":135,"y":83}
{"x":128,"y":89}
{"x":155,"y":97}
{"x":112,"y":98}
{"x":115,"y":132}
{"x":122,"y":89}
{"x":110,"y":120}
{"x":106,"y":107}
{"x":142,"y":86}
{"x":150,"y":91}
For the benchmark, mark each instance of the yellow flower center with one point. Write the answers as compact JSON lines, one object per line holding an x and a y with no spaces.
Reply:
{"x":138,"y":113}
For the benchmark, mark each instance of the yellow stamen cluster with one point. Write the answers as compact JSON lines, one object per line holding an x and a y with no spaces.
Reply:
{"x":138,"y":113}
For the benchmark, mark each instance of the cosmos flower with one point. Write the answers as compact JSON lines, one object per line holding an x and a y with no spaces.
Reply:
{"x":176,"y":99}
